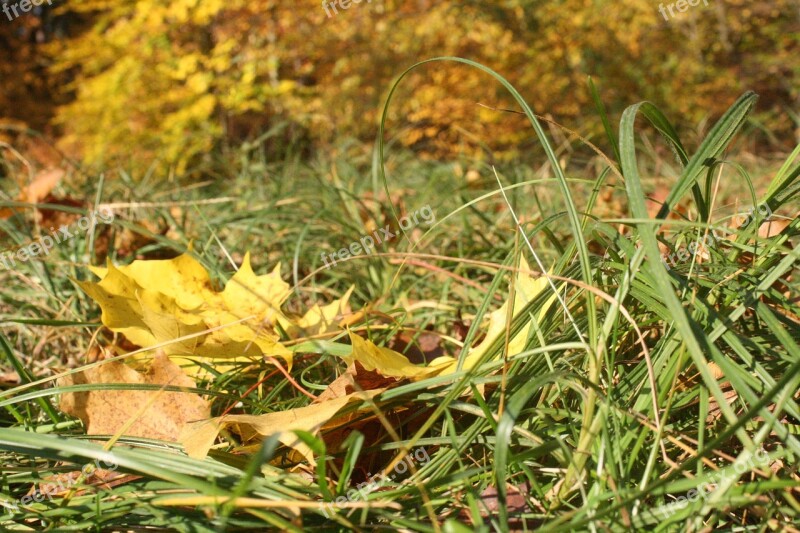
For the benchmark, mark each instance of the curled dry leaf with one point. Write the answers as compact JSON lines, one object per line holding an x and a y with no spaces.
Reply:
{"x":526,"y":289}
{"x":37,"y":190}
{"x":44,"y":182}
{"x":197,"y":438}
{"x":355,"y":379}
{"x":352,"y":386}
{"x":383,"y":360}
{"x":392,"y":364}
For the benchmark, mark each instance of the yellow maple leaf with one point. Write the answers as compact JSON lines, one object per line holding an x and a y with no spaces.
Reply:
{"x":383,"y":360}
{"x":526,"y":289}
{"x":319,"y":319}
{"x":183,"y":279}
{"x":247,"y":294}
{"x":389,"y":363}
{"x":155,"y":302}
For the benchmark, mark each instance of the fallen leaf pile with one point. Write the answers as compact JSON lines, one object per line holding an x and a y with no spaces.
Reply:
{"x":171,"y":304}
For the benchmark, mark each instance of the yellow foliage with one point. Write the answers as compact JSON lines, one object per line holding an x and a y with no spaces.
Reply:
{"x":172,"y":78}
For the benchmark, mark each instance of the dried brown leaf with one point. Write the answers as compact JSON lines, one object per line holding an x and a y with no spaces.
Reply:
{"x":137,"y":413}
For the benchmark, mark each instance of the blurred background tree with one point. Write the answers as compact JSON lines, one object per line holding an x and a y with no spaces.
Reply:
{"x":179,"y":80}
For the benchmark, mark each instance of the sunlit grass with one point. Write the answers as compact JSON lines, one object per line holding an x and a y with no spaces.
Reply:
{"x":643,"y":384}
